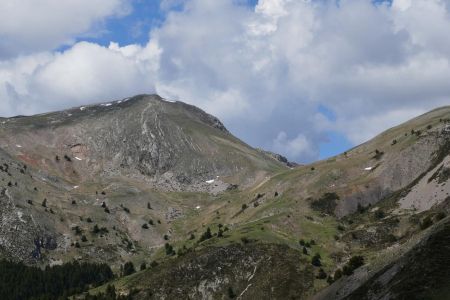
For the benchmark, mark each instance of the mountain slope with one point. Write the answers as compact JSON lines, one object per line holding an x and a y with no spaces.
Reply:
{"x":173,"y":146}
{"x":136,"y":180}
{"x":420,"y":271}
{"x":116,"y":166}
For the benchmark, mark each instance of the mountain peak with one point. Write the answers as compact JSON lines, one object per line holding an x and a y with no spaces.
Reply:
{"x":173,"y":145}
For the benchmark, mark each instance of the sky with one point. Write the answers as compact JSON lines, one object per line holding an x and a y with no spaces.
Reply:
{"x":304,"y":78}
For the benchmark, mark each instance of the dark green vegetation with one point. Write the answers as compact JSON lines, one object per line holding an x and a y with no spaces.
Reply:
{"x":18,"y":281}
{"x":326,"y":204}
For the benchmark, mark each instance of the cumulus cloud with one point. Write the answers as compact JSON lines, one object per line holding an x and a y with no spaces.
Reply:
{"x":265,"y":71}
{"x":28,"y":25}
{"x":85,"y":73}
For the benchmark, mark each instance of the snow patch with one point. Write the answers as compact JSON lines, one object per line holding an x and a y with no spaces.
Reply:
{"x":75,"y":186}
{"x":106,"y":104}
{"x":82,"y":108}
{"x":77,"y":158}
{"x":368,"y":169}
{"x":210,"y":181}
{"x":197,"y":207}
{"x":18,"y":146}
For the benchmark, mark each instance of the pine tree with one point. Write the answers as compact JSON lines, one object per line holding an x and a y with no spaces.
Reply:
{"x":128,"y":268}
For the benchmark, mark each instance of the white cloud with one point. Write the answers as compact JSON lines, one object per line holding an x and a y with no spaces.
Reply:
{"x":29,"y":25}
{"x":402,"y":5}
{"x":264,"y":71}
{"x":299,"y":146}
{"x":85,"y":73}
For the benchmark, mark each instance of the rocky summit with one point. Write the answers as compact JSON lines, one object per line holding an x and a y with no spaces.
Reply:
{"x":161,"y":201}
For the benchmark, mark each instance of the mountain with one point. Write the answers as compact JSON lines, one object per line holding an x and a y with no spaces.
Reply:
{"x":172,"y":145}
{"x":165,"y":185}
{"x":64,"y":167}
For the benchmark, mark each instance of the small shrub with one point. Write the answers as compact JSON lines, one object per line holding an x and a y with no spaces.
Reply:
{"x":77,"y":230}
{"x":143,"y":266}
{"x":128,"y":268}
{"x":206,"y":235}
{"x":354,"y":263}
{"x":378,"y":154}
{"x":154,"y":264}
{"x":379,"y":214}
{"x":426,"y":222}
{"x":360,"y":209}
{"x":169,"y":249}
{"x":322,"y":274}
{"x":98,"y":230}
{"x":440,"y":215}
{"x":325,"y":204}
{"x":315,"y":261}
{"x":231,"y":294}
{"x":337,"y":274}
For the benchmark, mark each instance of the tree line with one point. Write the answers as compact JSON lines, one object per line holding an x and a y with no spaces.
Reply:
{"x":18,"y":281}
